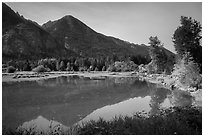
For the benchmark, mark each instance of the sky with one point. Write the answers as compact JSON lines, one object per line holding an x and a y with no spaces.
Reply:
{"x":133,"y":22}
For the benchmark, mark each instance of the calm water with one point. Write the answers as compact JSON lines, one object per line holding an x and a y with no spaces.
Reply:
{"x":70,"y":100}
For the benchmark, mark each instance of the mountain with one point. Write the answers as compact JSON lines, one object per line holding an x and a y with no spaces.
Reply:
{"x":25,"y":39}
{"x":63,"y":38}
{"x":83,"y":40}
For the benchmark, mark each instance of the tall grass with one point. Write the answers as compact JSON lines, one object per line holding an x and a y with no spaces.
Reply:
{"x":172,"y":121}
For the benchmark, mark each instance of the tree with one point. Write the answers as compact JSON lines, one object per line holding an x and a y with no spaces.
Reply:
{"x":62,"y":66}
{"x":68,"y":66}
{"x":58,"y":65}
{"x":27,"y":66}
{"x":187,"y":38}
{"x":157,"y":54}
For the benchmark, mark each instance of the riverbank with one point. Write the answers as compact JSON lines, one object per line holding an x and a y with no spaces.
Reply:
{"x":33,"y":76}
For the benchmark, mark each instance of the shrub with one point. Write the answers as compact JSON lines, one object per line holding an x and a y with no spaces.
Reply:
{"x":82,"y":69}
{"x":122,"y":66}
{"x":111,"y":68}
{"x":41,"y":68}
{"x":181,"y":121}
{"x":10,"y":69}
{"x":150,"y":68}
{"x":191,"y":76}
{"x":96,"y":69}
{"x":4,"y":65}
{"x":176,"y":120}
{"x":188,"y":73}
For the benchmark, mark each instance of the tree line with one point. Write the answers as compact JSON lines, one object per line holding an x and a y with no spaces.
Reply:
{"x":75,"y":63}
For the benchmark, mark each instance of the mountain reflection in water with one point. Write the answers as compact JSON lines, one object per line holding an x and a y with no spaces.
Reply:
{"x":41,"y":125}
{"x":68,"y":100}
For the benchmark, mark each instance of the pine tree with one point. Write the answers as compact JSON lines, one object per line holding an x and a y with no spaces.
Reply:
{"x":187,"y":38}
{"x":157,"y":54}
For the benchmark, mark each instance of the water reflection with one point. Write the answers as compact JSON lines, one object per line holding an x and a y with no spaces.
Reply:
{"x":125,"y":108}
{"x":41,"y":125}
{"x":160,"y":98}
{"x":180,"y":98}
{"x":158,"y":95}
{"x":70,"y":99}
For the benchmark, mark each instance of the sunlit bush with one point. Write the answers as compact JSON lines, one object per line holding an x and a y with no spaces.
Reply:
{"x":41,"y":68}
{"x":187,"y":72}
{"x":122,"y":66}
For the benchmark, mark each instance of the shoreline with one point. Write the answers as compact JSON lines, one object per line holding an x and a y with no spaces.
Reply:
{"x":33,"y":76}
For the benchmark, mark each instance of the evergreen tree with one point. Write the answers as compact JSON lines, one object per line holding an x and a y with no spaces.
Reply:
{"x":187,"y":38}
{"x":157,"y":54}
{"x":27,"y":66}
{"x":62,"y":66}
{"x":68,"y":66}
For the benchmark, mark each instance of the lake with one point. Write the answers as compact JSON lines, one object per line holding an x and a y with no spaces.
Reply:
{"x":68,"y":100}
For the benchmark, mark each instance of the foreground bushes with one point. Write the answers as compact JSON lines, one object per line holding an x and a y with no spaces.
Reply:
{"x":181,"y":121}
{"x":172,"y":121}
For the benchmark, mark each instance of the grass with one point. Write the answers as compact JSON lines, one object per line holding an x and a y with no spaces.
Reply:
{"x":172,"y":121}
{"x":179,"y":121}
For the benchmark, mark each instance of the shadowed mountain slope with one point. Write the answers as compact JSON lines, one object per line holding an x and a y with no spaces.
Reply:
{"x":25,"y":39}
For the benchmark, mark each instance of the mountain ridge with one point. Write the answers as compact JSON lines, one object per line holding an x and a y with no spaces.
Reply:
{"x":61,"y":38}
{"x":81,"y":32}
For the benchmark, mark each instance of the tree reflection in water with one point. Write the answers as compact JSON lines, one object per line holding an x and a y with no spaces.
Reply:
{"x":162,"y":97}
{"x":158,"y":95}
{"x":180,"y":98}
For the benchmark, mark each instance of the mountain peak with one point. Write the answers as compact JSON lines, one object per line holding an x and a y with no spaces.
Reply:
{"x":68,"y":17}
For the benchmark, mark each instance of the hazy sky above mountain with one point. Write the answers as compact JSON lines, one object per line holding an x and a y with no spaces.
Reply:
{"x":133,"y":22}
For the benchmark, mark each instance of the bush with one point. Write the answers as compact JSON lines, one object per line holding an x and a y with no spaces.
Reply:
{"x":10,"y":69}
{"x":191,"y":76}
{"x":151,"y":68}
{"x":96,"y":69}
{"x":180,"y":121}
{"x":188,"y":73}
{"x":176,"y":120}
{"x":122,"y":66}
{"x":41,"y":68}
{"x":4,"y":65}
{"x":111,"y":68}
